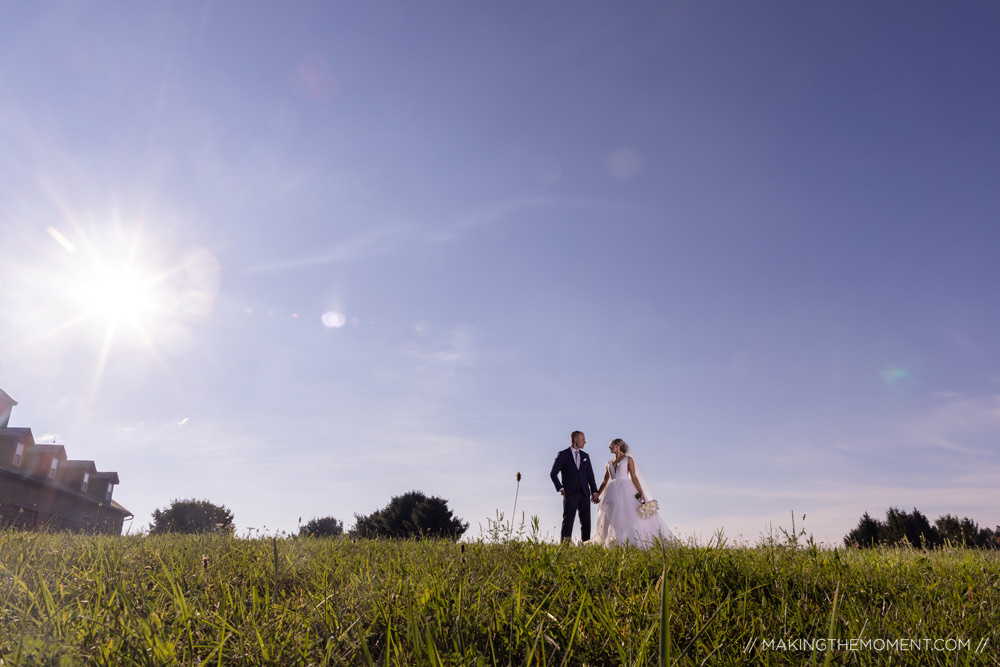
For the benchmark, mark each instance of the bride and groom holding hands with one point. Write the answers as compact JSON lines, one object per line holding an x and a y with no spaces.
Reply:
{"x":626,"y":512}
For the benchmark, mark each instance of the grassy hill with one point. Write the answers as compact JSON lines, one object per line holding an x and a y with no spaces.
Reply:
{"x":214,"y":600}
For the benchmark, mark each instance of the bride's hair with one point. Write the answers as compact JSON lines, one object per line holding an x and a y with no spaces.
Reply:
{"x":621,"y":444}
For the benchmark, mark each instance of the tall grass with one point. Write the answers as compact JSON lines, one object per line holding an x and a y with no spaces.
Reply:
{"x":214,"y":600}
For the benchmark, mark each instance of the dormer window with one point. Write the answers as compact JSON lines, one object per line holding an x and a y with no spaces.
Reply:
{"x":86,"y":481}
{"x":107,"y":497}
{"x":53,"y":467}
{"x":18,"y":455}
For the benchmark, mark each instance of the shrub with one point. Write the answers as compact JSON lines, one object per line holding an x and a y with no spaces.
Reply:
{"x":324,"y":527}
{"x":190,"y":516}
{"x":410,"y":515}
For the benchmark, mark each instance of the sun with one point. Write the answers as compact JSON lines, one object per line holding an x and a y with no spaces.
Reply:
{"x":113,"y":281}
{"x":115,"y":290}
{"x":121,"y":295}
{"x":107,"y":290}
{"x":110,"y":288}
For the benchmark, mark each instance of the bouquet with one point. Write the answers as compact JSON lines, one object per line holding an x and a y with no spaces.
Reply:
{"x":647,"y":508}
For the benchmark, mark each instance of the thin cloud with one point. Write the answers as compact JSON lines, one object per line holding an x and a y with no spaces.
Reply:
{"x":953,"y":423}
{"x":389,"y":239}
{"x":958,"y":490}
{"x":504,"y":210}
{"x":378,"y":242}
{"x":966,"y":426}
{"x":457,"y":350}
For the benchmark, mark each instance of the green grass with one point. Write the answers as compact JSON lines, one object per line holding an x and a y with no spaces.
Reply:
{"x":213,"y":600}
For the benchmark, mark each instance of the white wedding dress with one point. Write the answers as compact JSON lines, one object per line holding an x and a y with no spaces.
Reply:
{"x":618,"y":518}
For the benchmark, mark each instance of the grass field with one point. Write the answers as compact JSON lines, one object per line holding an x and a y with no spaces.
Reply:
{"x":213,"y":600}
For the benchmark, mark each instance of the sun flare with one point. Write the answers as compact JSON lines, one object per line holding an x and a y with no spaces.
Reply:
{"x":121,"y":295}
{"x":115,"y":290}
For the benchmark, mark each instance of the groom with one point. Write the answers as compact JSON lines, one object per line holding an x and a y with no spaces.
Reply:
{"x":573,"y":466}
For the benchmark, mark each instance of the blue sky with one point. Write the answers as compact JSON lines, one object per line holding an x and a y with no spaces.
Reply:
{"x":375,"y":248}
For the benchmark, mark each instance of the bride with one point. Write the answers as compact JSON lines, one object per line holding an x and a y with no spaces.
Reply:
{"x":627,"y":514}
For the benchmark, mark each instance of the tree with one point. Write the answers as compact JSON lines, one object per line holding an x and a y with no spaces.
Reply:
{"x":964,"y":532}
{"x":991,"y":538}
{"x":866,"y":534}
{"x":192,"y":516}
{"x":909,"y":527}
{"x":913,"y":527}
{"x":950,"y":528}
{"x":410,"y":515}
{"x":325,"y":527}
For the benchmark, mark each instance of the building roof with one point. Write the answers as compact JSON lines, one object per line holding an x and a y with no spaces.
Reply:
{"x":50,"y":449}
{"x":120,"y":508}
{"x":5,"y":398}
{"x":88,"y":466}
{"x":19,"y":431}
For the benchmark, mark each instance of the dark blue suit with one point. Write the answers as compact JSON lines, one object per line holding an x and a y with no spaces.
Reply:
{"x":580,"y":485}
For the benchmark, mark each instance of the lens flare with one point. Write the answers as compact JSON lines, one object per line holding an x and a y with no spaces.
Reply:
{"x":893,"y":375}
{"x":624,"y":163}
{"x":334,"y":320}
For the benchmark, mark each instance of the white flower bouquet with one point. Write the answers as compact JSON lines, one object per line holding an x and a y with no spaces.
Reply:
{"x":648,"y":508}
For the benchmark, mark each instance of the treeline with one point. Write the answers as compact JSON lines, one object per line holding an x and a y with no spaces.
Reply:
{"x":915,"y":529}
{"x":412,"y":514}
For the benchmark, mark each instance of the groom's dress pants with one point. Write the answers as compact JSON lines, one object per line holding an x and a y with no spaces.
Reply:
{"x":575,"y":503}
